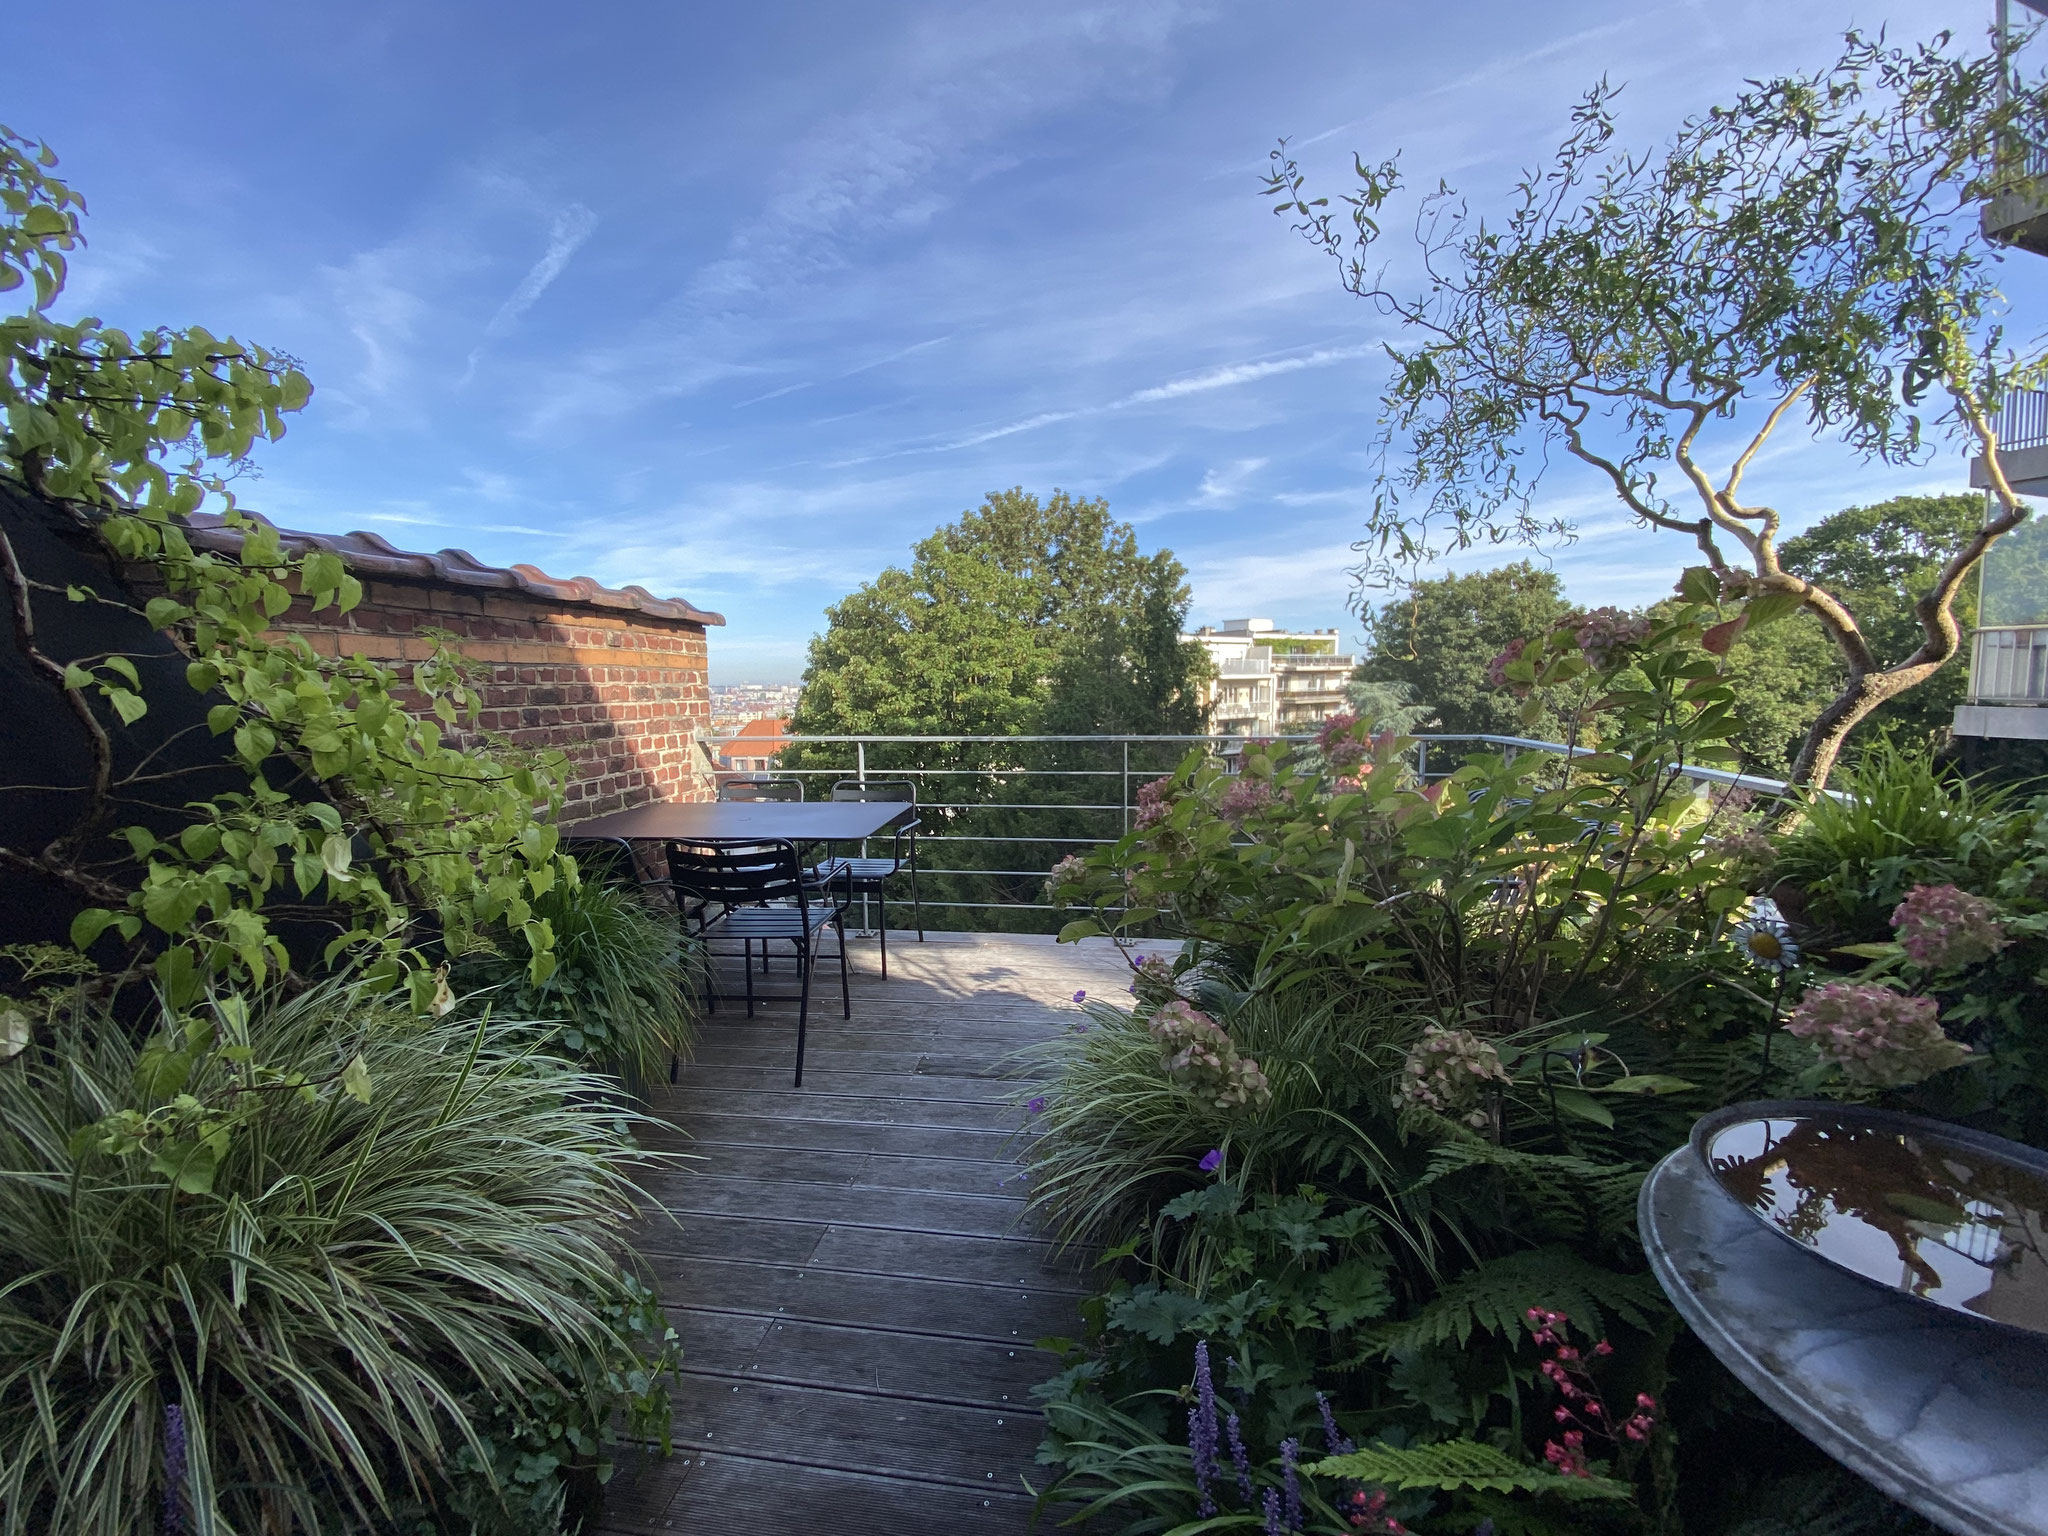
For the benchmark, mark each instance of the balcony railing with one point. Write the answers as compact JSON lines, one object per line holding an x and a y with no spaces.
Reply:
{"x":2010,"y":666}
{"x":2023,"y":420}
{"x":1000,"y":811}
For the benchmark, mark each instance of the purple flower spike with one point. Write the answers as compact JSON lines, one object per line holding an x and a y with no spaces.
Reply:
{"x":1240,"y":1460}
{"x":1339,"y":1445}
{"x":1290,"y":1481}
{"x":1202,"y":1429}
{"x":174,"y":1468}
{"x":1081,"y":996}
{"x":1273,"y":1526}
{"x":1036,"y":1106}
{"x":1212,"y":1160}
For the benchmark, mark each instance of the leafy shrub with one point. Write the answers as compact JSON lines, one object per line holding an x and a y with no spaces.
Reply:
{"x":1901,"y":822}
{"x":397,"y":1280}
{"x":620,"y":992}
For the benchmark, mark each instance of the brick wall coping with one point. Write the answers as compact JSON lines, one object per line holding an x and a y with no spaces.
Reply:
{"x":367,"y":554}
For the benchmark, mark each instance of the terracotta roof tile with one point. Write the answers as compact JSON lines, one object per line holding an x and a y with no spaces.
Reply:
{"x":372,"y":555}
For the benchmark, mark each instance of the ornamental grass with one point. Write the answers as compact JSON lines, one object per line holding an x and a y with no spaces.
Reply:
{"x":309,"y":1344}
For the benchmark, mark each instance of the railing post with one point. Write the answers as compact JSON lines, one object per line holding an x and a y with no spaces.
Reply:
{"x":1422,"y":763}
{"x":1125,"y":797}
{"x":860,"y":757}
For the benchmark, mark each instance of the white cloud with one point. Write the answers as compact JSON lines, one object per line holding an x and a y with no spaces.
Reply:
{"x":572,"y":226}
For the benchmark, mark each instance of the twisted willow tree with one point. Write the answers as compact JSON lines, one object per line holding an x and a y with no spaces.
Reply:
{"x":1808,"y":255}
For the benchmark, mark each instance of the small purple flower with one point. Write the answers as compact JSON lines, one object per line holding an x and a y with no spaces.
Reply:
{"x":1240,"y":1460}
{"x":1273,"y":1526}
{"x":1212,"y":1160}
{"x":1036,"y":1106}
{"x":1290,"y":1481}
{"x":1081,"y":996}
{"x":174,"y":1468}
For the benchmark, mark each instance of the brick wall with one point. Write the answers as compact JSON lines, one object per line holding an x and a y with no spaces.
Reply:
{"x":621,"y":692}
{"x":611,"y":677}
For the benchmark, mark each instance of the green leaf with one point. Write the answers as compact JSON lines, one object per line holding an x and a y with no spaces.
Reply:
{"x":355,"y":1080}
{"x":1582,"y":1106}
{"x":1699,"y":584}
{"x":163,"y":612}
{"x":1449,"y":1465}
{"x":88,"y":925}
{"x":1079,"y":929}
{"x":1769,"y":607}
{"x":129,"y":706}
{"x":334,"y":856}
{"x":1645,"y":1085}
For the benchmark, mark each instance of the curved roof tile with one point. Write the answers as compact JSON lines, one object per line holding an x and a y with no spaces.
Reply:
{"x":373,"y":555}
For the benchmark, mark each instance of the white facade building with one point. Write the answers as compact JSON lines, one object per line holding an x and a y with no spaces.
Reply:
{"x":1271,"y":681}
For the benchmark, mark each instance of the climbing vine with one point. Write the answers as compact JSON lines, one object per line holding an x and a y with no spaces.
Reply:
{"x":371,"y":824}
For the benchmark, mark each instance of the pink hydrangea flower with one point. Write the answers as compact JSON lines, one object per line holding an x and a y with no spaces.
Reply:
{"x":1604,"y":633}
{"x":1339,"y":745}
{"x":1446,"y":1071}
{"x":1200,"y":1055}
{"x":1152,"y":802}
{"x":1245,"y":797}
{"x":1943,"y":928}
{"x":1879,"y":1038}
{"x":1496,"y":669}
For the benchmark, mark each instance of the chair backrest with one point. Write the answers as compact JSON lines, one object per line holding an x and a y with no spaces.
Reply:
{"x":761,"y":789}
{"x":890,"y":791}
{"x":737,"y":874}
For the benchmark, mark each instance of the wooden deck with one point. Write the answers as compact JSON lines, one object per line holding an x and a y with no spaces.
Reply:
{"x":845,"y":1261}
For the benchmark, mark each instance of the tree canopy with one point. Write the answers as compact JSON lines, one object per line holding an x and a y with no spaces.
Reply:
{"x":1021,"y":617}
{"x":1437,"y":637}
{"x":1808,"y":254}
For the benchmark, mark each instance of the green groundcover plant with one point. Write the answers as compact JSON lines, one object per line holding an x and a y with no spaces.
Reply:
{"x":405,"y":1309}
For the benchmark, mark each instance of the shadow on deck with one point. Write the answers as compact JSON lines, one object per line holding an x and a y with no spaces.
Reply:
{"x":845,"y":1262}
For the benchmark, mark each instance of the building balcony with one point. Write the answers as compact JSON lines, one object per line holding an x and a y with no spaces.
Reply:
{"x":2022,"y":429}
{"x":2020,"y":216}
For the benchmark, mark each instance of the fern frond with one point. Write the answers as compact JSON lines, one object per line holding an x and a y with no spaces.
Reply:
{"x":1562,"y":1191}
{"x":1468,"y":1464}
{"x":1495,"y":1297}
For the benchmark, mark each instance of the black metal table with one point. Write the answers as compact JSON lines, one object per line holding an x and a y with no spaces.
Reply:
{"x":817,"y":821}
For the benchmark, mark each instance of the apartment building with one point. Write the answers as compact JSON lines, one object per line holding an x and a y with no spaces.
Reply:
{"x":1271,"y":681}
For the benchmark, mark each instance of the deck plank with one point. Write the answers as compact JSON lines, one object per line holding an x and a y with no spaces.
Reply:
{"x":847,"y":1263}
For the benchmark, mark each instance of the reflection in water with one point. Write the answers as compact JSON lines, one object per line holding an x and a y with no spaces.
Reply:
{"x":1946,"y":1223}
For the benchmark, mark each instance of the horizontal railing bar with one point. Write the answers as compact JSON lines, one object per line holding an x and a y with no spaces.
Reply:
{"x":1004,"y":805}
{"x":850,"y":771}
{"x":972,"y":837}
{"x":1228,"y":736}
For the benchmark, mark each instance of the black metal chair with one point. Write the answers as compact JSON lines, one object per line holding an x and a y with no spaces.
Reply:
{"x":763,"y":894}
{"x":869,"y":877}
{"x":787,"y":790}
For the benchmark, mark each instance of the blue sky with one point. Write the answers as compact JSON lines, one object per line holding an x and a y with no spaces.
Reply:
{"x":737,"y":302}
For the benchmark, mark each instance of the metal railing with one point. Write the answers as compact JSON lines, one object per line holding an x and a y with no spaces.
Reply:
{"x":1037,"y":799}
{"x":2010,"y":665}
{"x":2023,"y":420}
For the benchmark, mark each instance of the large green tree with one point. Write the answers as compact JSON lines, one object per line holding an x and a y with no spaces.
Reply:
{"x":1437,"y":637}
{"x":1808,"y":256}
{"x":1023,"y":616}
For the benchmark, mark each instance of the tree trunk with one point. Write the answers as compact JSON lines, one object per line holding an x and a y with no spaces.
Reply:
{"x":1851,"y":707}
